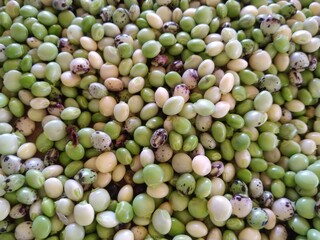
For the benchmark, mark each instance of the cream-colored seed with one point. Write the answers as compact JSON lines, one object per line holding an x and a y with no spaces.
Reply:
{"x":135,"y":103}
{"x":222,"y":109}
{"x":159,"y":191}
{"x":242,"y":158}
{"x":39,"y":103}
{"x":226,"y":83}
{"x":161,"y":95}
{"x":315,"y":8}
{"x":312,"y":46}
{"x":219,"y":208}
{"x":103,"y":179}
{"x":213,"y":94}
{"x":264,"y":10}
{"x":218,"y":187}
{"x":181,"y":163}
{"x":106,"y":162}
{"x":260,"y":60}
{"x":27,"y":150}
{"x":125,"y":193}
{"x":52,"y":171}
{"x":301,"y":37}
{"x":271,"y":219}
{"x":190,"y":12}
{"x":308,"y":146}
{"x":53,"y":187}
{"x":91,"y":163}
{"x":283,"y":30}
{"x":98,"y":126}
{"x":88,"y":43}
{"x":70,"y":79}
{"x":136,"y":84}
{"x":214,"y":48}
{"x":249,"y":9}
{"x":249,"y":233}
{"x":106,"y":105}
{"x":212,"y":37}
{"x":201,"y":165}
{"x":214,"y":234}
{"x":118,"y":173}
{"x":138,"y":57}
{"x":164,"y":13}
{"x":229,"y":172}
{"x":95,"y":60}
{"x":295,"y":105}
{"x":196,"y":229}
{"x":282,"y":61}
{"x":25,"y":96}
{"x":154,"y":20}
{"x":237,"y":64}
{"x":274,"y":113}
{"x":121,"y":111}
{"x":315,"y":136}
{"x":229,"y":99}
{"x":109,"y":71}
{"x":278,"y":232}
{"x":206,"y":67}
{"x":36,"y":115}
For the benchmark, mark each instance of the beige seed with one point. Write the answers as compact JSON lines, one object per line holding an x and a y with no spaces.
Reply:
{"x":159,"y":191}
{"x":229,"y":99}
{"x":196,"y":229}
{"x":125,"y":193}
{"x":106,"y":105}
{"x":218,"y":187}
{"x":214,"y":48}
{"x":88,"y":43}
{"x":70,"y":79}
{"x":103,"y":179}
{"x":39,"y":103}
{"x":106,"y":162}
{"x":312,"y":46}
{"x":260,"y":60}
{"x":108,"y":71}
{"x":315,"y":136}
{"x":52,"y":171}
{"x":27,"y":150}
{"x":118,"y":173}
{"x":164,"y":13}
{"x":249,"y":233}
{"x":95,"y":60}
{"x":295,"y":105}
{"x":213,"y":94}
{"x":114,"y":84}
{"x":161,"y":95}
{"x":282,"y":61}
{"x":206,"y":67}
{"x":301,"y":37}
{"x":237,"y":65}
{"x":154,"y":20}
{"x":226,"y":83}
{"x":222,"y":109}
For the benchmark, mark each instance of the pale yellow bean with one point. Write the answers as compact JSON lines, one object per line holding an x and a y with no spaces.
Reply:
{"x":88,"y":43}
{"x":218,"y":187}
{"x":196,"y":228}
{"x":226,"y":83}
{"x":260,"y":60}
{"x":249,"y":233}
{"x":315,"y":136}
{"x":229,"y":172}
{"x":106,"y":162}
{"x":214,"y":48}
{"x":39,"y":103}
{"x":108,"y":71}
{"x":242,"y":158}
{"x":70,"y":79}
{"x":295,"y":105}
{"x":36,"y":115}
{"x":121,"y":111}
{"x":95,"y":60}
{"x":206,"y":67}
{"x":154,"y":20}
{"x":274,"y":113}
{"x":159,"y":191}
{"x":301,"y":37}
{"x":282,"y":61}
{"x":237,"y":64}
{"x":118,"y":173}
{"x":26,"y":150}
{"x":161,"y":95}
{"x":103,"y":179}
{"x":229,"y":99}
{"x":106,"y":105}
{"x":213,"y":94}
{"x":125,"y":193}
{"x":222,"y":109}
{"x":52,"y":171}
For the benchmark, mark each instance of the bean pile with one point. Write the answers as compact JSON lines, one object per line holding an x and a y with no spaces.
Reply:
{"x":159,"y":119}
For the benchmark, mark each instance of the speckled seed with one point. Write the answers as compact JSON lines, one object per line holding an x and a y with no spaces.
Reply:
{"x":159,"y":137}
{"x":23,"y":231}
{"x":201,"y":165}
{"x":33,"y":163}
{"x":190,"y":77}
{"x":114,"y":84}
{"x":270,"y":82}
{"x":10,"y":164}
{"x":220,"y":208}
{"x":270,"y":25}
{"x":299,"y":60}
{"x":196,"y":229}
{"x":283,"y":208}
{"x":101,"y":140}
{"x":256,"y":188}
{"x":241,"y":205}
{"x":182,"y":90}
{"x":260,"y":60}
{"x":79,"y":66}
